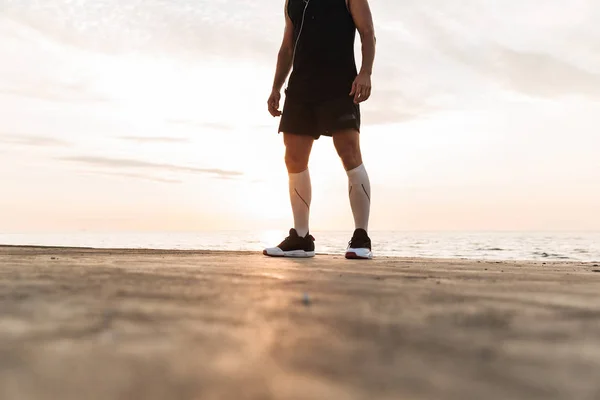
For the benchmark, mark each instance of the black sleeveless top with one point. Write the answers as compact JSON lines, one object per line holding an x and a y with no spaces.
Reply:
{"x":324,"y":64}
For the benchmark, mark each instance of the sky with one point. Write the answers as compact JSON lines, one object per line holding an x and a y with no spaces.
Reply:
{"x":151,"y":116}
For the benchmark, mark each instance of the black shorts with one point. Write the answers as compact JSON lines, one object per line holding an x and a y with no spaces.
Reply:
{"x":318,"y":118}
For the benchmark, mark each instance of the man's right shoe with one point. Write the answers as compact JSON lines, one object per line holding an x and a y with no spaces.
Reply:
{"x":293,"y":246}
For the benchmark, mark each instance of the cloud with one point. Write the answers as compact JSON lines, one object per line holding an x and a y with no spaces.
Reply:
{"x":31,"y":140}
{"x":388,"y":115}
{"x":218,"y":126}
{"x":531,"y":73}
{"x":140,"y":139}
{"x":135,"y":176}
{"x":108,"y":162}
{"x":387,"y":106}
{"x":540,"y":74}
{"x":545,"y":70}
{"x":173,"y":27}
{"x":52,"y":91}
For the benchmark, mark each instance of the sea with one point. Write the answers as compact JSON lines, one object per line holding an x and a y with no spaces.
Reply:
{"x":522,"y":246}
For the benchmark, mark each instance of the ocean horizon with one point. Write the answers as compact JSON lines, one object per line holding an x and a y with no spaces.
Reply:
{"x":519,"y":246}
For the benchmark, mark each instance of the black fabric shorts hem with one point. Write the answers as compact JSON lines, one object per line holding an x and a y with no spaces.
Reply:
{"x":316,"y":118}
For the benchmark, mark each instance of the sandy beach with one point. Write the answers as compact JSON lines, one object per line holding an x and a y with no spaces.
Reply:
{"x":142,"y":324}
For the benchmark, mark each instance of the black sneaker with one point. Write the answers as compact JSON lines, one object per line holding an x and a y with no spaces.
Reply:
{"x":293,"y":246}
{"x":359,"y":248}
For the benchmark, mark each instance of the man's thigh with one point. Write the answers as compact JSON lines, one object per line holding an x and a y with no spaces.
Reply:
{"x":338,"y":115}
{"x":299,"y":118}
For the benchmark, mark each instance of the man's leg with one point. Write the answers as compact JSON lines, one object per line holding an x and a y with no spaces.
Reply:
{"x":347,"y":144}
{"x":299,"y":243}
{"x":298,"y":117}
{"x":297,"y":154}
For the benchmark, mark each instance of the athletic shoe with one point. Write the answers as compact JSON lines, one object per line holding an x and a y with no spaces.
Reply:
{"x":359,"y":248}
{"x":293,"y":246}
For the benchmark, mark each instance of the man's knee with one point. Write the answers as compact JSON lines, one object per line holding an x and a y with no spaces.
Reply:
{"x":351,"y":159}
{"x":295,"y":161}
{"x":297,"y":153}
{"x":348,"y":148}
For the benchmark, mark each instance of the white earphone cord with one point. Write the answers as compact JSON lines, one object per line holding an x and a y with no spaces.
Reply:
{"x":300,"y":32}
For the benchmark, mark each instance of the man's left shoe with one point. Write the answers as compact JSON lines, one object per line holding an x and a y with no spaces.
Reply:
{"x":359,"y":248}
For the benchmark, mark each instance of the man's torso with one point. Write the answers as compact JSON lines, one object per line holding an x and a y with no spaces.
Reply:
{"x":324,"y":64}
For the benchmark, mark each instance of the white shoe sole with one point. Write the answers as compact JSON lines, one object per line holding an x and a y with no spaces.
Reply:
{"x":359,"y":254}
{"x":277,"y":252}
